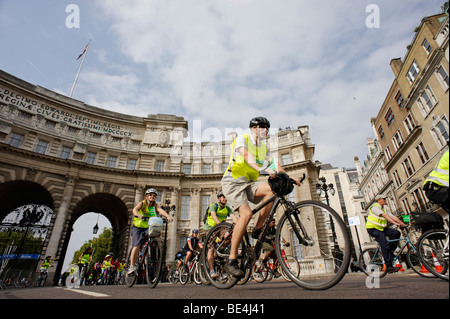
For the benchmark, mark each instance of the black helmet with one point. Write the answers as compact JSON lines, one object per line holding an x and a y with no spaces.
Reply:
{"x":259,"y":121}
{"x":281,"y":184}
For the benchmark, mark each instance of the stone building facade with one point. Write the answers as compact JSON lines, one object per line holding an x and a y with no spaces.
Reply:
{"x":76,"y":158}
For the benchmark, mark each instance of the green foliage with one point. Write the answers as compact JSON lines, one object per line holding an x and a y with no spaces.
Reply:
{"x":101,"y":246}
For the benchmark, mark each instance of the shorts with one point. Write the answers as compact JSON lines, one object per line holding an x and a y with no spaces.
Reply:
{"x":138,"y":235}
{"x":239,"y":192}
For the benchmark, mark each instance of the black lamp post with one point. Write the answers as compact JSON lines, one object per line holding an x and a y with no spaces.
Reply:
{"x":95,"y":229}
{"x":322,"y":186}
{"x":167,"y":208}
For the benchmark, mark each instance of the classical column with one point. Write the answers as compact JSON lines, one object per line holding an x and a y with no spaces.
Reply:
{"x":194,"y":209}
{"x":58,"y":228}
{"x":172,"y":237}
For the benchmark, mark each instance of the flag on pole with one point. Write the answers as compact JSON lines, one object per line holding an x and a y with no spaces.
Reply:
{"x":85,"y":49}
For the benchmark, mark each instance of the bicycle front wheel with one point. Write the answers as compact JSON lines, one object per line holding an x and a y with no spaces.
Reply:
{"x":432,"y":248}
{"x":318,"y":240}
{"x":153,"y":264}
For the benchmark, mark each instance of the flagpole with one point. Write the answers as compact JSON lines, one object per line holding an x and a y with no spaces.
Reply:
{"x":79,"y":69}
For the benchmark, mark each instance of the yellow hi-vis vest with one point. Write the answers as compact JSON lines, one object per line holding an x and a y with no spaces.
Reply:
{"x":147,"y":213}
{"x":239,"y":167}
{"x":374,"y":221}
{"x":439,"y":175}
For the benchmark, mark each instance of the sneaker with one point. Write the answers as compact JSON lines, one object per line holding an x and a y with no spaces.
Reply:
{"x":132,"y":270}
{"x":231,"y":267}
{"x":391,"y":269}
{"x":213,"y":274}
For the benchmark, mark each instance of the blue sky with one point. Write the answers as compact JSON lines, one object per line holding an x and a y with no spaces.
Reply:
{"x":300,"y":62}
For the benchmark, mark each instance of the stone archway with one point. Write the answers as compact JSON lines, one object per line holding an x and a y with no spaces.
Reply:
{"x":19,"y":193}
{"x":114,"y":210}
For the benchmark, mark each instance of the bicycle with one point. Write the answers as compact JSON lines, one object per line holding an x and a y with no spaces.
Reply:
{"x":372,"y":263}
{"x":150,"y":261}
{"x":191,"y":269}
{"x":315,"y":231}
{"x":266,"y":270}
{"x":433,"y":249}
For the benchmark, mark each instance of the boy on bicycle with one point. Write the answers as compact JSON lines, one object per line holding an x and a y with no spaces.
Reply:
{"x":239,"y":183}
{"x":139,"y":230}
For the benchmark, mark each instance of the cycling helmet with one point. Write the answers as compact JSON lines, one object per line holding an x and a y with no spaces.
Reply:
{"x":220,"y":194}
{"x":151,"y":190}
{"x":259,"y":121}
{"x":195,"y":231}
{"x":281,"y":184}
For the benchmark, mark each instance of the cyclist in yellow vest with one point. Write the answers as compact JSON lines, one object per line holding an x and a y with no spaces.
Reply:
{"x":239,"y":183}
{"x":436,"y":184}
{"x":377,"y":221}
{"x":139,"y":230}
{"x":217,"y":213}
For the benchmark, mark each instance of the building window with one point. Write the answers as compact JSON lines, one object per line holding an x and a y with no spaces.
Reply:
{"x":409,"y":123}
{"x":205,"y":204}
{"x":426,"y":46}
{"x":443,"y":77}
{"x":406,"y":206}
{"x":285,"y":159}
{"x":112,"y":161}
{"x":185,"y":203}
{"x":422,"y":152}
{"x":427,"y":100}
{"x":440,"y":131}
{"x":380,"y":132}
{"x":187,"y":169}
{"x":388,"y":153}
{"x":206,"y":168}
{"x":399,"y":99}
{"x":90,"y":158}
{"x":15,"y":139}
{"x":65,"y":152}
{"x":408,"y":167}
{"x":413,"y":72}
{"x":397,"y":140}
{"x":397,"y":179}
{"x":41,"y":147}
{"x":160,"y":166}
{"x":131,"y":164}
{"x":389,"y":117}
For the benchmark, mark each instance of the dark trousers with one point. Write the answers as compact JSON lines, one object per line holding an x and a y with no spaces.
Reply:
{"x":387,"y":248}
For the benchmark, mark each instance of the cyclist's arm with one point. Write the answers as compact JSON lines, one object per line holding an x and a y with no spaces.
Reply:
{"x":394,"y":220}
{"x":136,"y":210}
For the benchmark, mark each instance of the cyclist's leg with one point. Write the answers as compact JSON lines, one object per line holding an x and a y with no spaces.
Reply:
{"x":384,"y":244}
{"x":264,"y":191}
{"x":394,"y":235}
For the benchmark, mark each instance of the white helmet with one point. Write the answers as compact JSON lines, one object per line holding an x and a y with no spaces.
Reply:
{"x":151,"y":190}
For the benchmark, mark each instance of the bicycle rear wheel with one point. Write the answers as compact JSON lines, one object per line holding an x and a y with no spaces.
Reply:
{"x":432,"y":248}
{"x":318,"y":240}
{"x":153,"y":263}
{"x":371,"y":262}
{"x":218,"y":241}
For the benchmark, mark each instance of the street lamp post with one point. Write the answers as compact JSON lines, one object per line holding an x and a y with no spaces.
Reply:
{"x":322,"y":186}
{"x":167,"y":208}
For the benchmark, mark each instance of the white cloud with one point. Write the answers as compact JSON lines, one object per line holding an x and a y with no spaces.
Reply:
{"x":295,"y":62}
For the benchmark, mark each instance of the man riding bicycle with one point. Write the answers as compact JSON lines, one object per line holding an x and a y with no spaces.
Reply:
{"x":376,"y":226}
{"x":239,"y":184}
{"x":142,"y":212}
{"x":217,"y":213}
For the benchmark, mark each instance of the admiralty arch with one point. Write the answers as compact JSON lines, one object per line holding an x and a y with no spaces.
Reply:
{"x":76,"y":158}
